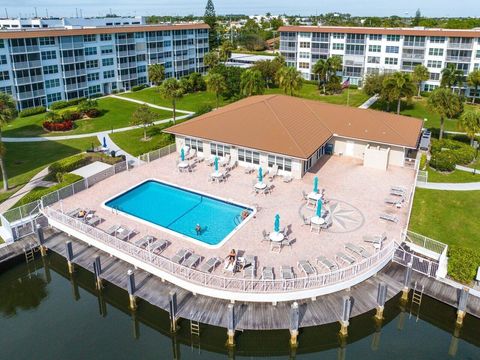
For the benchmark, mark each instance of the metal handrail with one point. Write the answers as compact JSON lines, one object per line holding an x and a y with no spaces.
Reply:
{"x":217,"y":281}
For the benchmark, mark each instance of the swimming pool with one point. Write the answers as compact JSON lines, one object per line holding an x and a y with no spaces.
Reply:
{"x":179,"y":210}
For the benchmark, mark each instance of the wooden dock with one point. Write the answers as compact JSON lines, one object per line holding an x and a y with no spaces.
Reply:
{"x":249,"y":316}
{"x":10,"y":252}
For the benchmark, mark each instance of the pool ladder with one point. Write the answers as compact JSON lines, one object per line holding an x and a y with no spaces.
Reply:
{"x":115,"y":210}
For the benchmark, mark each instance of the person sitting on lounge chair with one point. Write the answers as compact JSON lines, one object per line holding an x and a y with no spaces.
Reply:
{"x":82,"y":214}
{"x":198,"y":229}
{"x":231,"y":257}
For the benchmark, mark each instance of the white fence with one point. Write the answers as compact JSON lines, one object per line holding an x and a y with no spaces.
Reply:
{"x":426,"y":242}
{"x":157,"y":154}
{"x":419,"y":264}
{"x":422,"y":177}
{"x":226,"y":283}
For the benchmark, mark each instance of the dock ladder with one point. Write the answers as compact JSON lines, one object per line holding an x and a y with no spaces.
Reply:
{"x":29,"y":252}
{"x":416,"y":299}
{"x":195,"y":334}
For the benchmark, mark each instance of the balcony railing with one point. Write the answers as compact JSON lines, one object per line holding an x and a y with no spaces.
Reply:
{"x":75,"y":73}
{"x":73,"y":59}
{"x":355,"y":41}
{"x":27,"y":64}
{"x":413,"y":56}
{"x":30,"y":94}
{"x":28,"y":80}
{"x":24,"y":49}
{"x":459,"y":58}
{"x":451,"y":45}
{"x":413,"y":44}
{"x":75,"y":86}
{"x":288,"y":48}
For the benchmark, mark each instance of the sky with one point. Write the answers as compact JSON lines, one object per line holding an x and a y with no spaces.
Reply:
{"x":250,"y":7}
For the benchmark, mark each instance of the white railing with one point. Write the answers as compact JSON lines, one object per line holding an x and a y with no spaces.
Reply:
{"x":219,"y":282}
{"x":157,"y":154}
{"x":425,"y":242}
{"x":418,"y":263}
{"x":422,"y":176}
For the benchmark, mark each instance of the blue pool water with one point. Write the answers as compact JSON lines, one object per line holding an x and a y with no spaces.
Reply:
{"x":180,"y":210}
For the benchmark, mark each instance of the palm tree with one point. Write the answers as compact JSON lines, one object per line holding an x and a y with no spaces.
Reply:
{"x":451,"y":76}
{"x":419,"y":75}
{"x":470,"y":123}
{"x":225,"y":51}
{"x":399,"y":86}
{"x":8,"y":112}
{"x":446,"y":104}
{"x":171,"y":90}
{"x":289,"y":79}
{"x":473,"y":80}
{"x":320,"y":68}
{"x":335,"y":64}
{"x":143,"y":116}
{"x":210,"y":60}
{"x":216,"y":83}
{"x":156,"y":74}
{"x":252,"y":83}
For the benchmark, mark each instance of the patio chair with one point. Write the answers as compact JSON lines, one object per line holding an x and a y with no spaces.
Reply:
{"x":306,"y":221}
{"x":376,"y":240}
{"x":276,"y":246}
{"x":93,"y":221}
{"x":181,"y":255}
{"x":192,"y":261}
{"x":158,"y":246}
{"x":210,"y":161}
{"x":287,"y":273}
{"x":249,"y":170}
{"x":287,"y":178}
{"x":124,"y":233}
{"x":305,"y":195}
{"x":389,"y":217}
{"x":268,"y":189}
{"x":326,"y":263}
{"x":225,"y":161}
{"x":267,"y":273}
{"x":209,"y":265}
{"x":144,"y":241}
{"x":112,"y":229}
{"x":286,"y":242}
{"x":191,"y":154}
{"x":398,"y":189}
{"x":328,"y":222}
{"x":306,"y":268}
{"x":250,"y":267}
{"x":357,"y":250}
{"x":347,"y":259}
{"x":73,"y":213}
{"x":397,"y":192}
{"x":265,"y":236}
{"x":273,"y":172}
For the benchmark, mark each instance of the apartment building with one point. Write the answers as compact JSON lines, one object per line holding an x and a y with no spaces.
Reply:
{"x":39,"y":67}
{"x":381,"y":50}
{"x":68,"y":22}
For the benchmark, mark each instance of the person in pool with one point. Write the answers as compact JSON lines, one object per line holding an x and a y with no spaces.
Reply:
{"x":198,"y":229}
{"x":245,"y":214}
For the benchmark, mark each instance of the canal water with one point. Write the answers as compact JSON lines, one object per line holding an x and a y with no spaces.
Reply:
{"x":46,"y":314}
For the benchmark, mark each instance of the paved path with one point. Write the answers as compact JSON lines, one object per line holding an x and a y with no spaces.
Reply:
{"x":369,"y":102}
{"x":112,"y":146}
{"x":152,"y":105}
{"x":450,"y":186}
{"x":34,"y":182}
{"x":467,"y":169}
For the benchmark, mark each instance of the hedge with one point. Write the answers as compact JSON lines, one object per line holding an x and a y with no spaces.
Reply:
{"x":443,"y":161}
{"x":32,"y":111}
{"x":463,"y":263}
{"x":139,"y":87}
{"x":447,"y":153}
{"x":68,"y":164}
{"x":58,"y":126}
{"x":64,"y":103}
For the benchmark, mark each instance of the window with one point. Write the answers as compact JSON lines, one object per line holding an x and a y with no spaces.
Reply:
{"x":142,"y":69}
{"x":248,"y":156}
{"x":109,"y":74}
{"x":90,"y":51}
{"x":305,"y":45}
{"x":50,"y":69}
{"x":375,"y":36}
{"x":434,"y":64}
{"x":43,"y":41}
{"x":477,"y":54}
{"x":435,"y":76}
{"x":391,"y":61}
{"x":107,"y":62}
{"x":437,"y":39}
{"x":355,"y":49}
{"x":52,"y":83}
{"x":373,"y":59}
{"x":6,"y":89}
{"x":337,"y":46}
{"x":4,"y":75}
{"x":90,"y":38}
{"x":48,"y":55}
{"x":95,"y":89}
{"x":194,"y":144}
{"x":106,"y":50}
{"x":54,"y":97}
{"x":393,"y":37}
{"x":93,"y":77}
{"x":2,"y":44}
{"x":338,"y":36}
{"x":392,"y":49}
{"x":105,"y":37}
{"x":219,"y":150}
{"x":281,"y":162}
{"x":139,"y":35}
{"x":304,"y":55}
{"x":3,"y":59}
{"x":375,"y":48}
{"x":304,"y":65}
{"x":435,"y":52}
{"x":92,"y":64}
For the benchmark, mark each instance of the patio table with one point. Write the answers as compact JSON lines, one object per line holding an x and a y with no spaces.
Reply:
{"x":276,"y":236}
{"x":260,"y":186}
{"x":314,"y":196}
{"x":317,"y":220}
{"x":217,"y":176}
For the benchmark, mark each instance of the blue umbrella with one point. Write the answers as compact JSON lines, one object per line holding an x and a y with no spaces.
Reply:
{"x":276,"y":225}
{"x":182,"y":154}
{"x":104,"y":142}
{"x":319,"y":208}
{"x":215,"y":163}
{"x":315,"y":184}
{"x":260,"y":175}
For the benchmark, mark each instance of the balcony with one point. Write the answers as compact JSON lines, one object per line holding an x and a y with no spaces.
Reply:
{"x":355,"y":52}
{"x":320,"y":50}
{"x":128,"y":65}
{"x":413,"y":44}
{"x":30,"y":94}
{"x":75,"y":86}
{"x":355,"y":41}
{"x":28,"y":80}
{"x":73,"y":59}
{"x":459,"y":58}
{"x":24,"y":49}
{"x":452,"y":45}
{"x":74,"y":73}
{"x":127,"y":77}
{"x":126,"y":53}
{"x":288,"y":48}
{"x":27,"y":64}
{"x":75,"y":45}
{"x":413,"y":56}
{"x":125,"y":41}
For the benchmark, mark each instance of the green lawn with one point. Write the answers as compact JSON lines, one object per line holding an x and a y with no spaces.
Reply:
{"x":24,"y":160}
{"x":115,"y":114}
{"x":189,"y":102}
{"x":456,"y":176}
{"x":132,"y":141}
{"x":447,"y":216}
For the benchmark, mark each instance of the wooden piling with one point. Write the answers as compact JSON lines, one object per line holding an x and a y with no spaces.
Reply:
{"x":230,"y":325}
{"x":462,"y":306}
{"x":344,"y":321}
{"x":69,"y":256}
{"x":406,"y":282}
{"x":41,"y":240}
{"x":131,"y":290}
{"x":97,"y":270}
{"x":294,"y":324}
{"x":381,"y":299}
{"x":172,"y":309}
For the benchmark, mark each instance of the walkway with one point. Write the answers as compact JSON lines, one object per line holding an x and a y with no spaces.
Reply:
{"x":450,"y":186}
{"x":369,"y":102}
{"x":152,"y":105}
{"x":114,"y":147}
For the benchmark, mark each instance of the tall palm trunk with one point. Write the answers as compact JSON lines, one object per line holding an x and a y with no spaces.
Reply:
{"x":4,"y":174}
{"x":419,"y":89}
{"x":399,"y":104}
{"x":174,"y":103}
{"x":216,"y":100}
{"x":475,"y":95}
{"x":442,"y":124}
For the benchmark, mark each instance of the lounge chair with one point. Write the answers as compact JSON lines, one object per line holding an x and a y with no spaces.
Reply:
{"x":389,"y":217}
{"x":305,"y":195}
{"x":286,"y":242}
{"x":192,"y":261}
{"x":398,"y":189}
{"x":376,"y":240}
{"x":191,"y":154}
{"x":112,"y":230}
{"x":93,"y":220}
{"x":250,"y":267}
{"x":158,"y":246}
{"x":267,"y":273}
{"x":357,"y":250}
{"x":181,"y":255}
{"x":306,"y":268}
{"x":322,"y":260}
{"x":209,"y":265}
{"x":287,"y":178}
{"x":249,"y":169}
{"x":73,"y":213}
{"x":287,"y":273}
{"x":397,"y":192}
{"x":124,"y":233}
{"x":340,"y":256}
{"x":306,"y":221}
{"x":273,"y":172}
{"x":397,"y":201}
{"x":144,"y":241}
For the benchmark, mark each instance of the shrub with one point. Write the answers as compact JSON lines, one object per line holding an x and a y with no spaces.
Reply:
{"x":204,"y":109}
{"x":75,"y":101}
{"x":92,"y":113}
{"x":59,"y":105}
{"x":443,"y":161}
{"x":139,"y":87}
{"x":353,"y":87}
{"x":32,"y":111}
{"x":463,"y":263}
{"x":463,"y":153}
{"x":96,"y":96}
{"x":70,"y":115}
{"x":58,"y":126}
{"x":423,"y":162}
{"x":114,"y":92}
{"x":68,"y":164}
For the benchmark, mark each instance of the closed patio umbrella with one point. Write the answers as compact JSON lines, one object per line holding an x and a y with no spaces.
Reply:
{"x":319,"y":208}
{"x":260,"y":175}
{"x":276,"y":224}
{"x":182,"y":154}
{"x":315,"y":184}
{"x":215,"y":163}
{"x":104,"y":142}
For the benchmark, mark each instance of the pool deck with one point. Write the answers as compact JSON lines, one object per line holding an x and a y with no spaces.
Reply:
{"x":356,"y":195}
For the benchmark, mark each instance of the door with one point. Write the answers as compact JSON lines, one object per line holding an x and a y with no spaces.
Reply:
{"x":349,"y":148}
